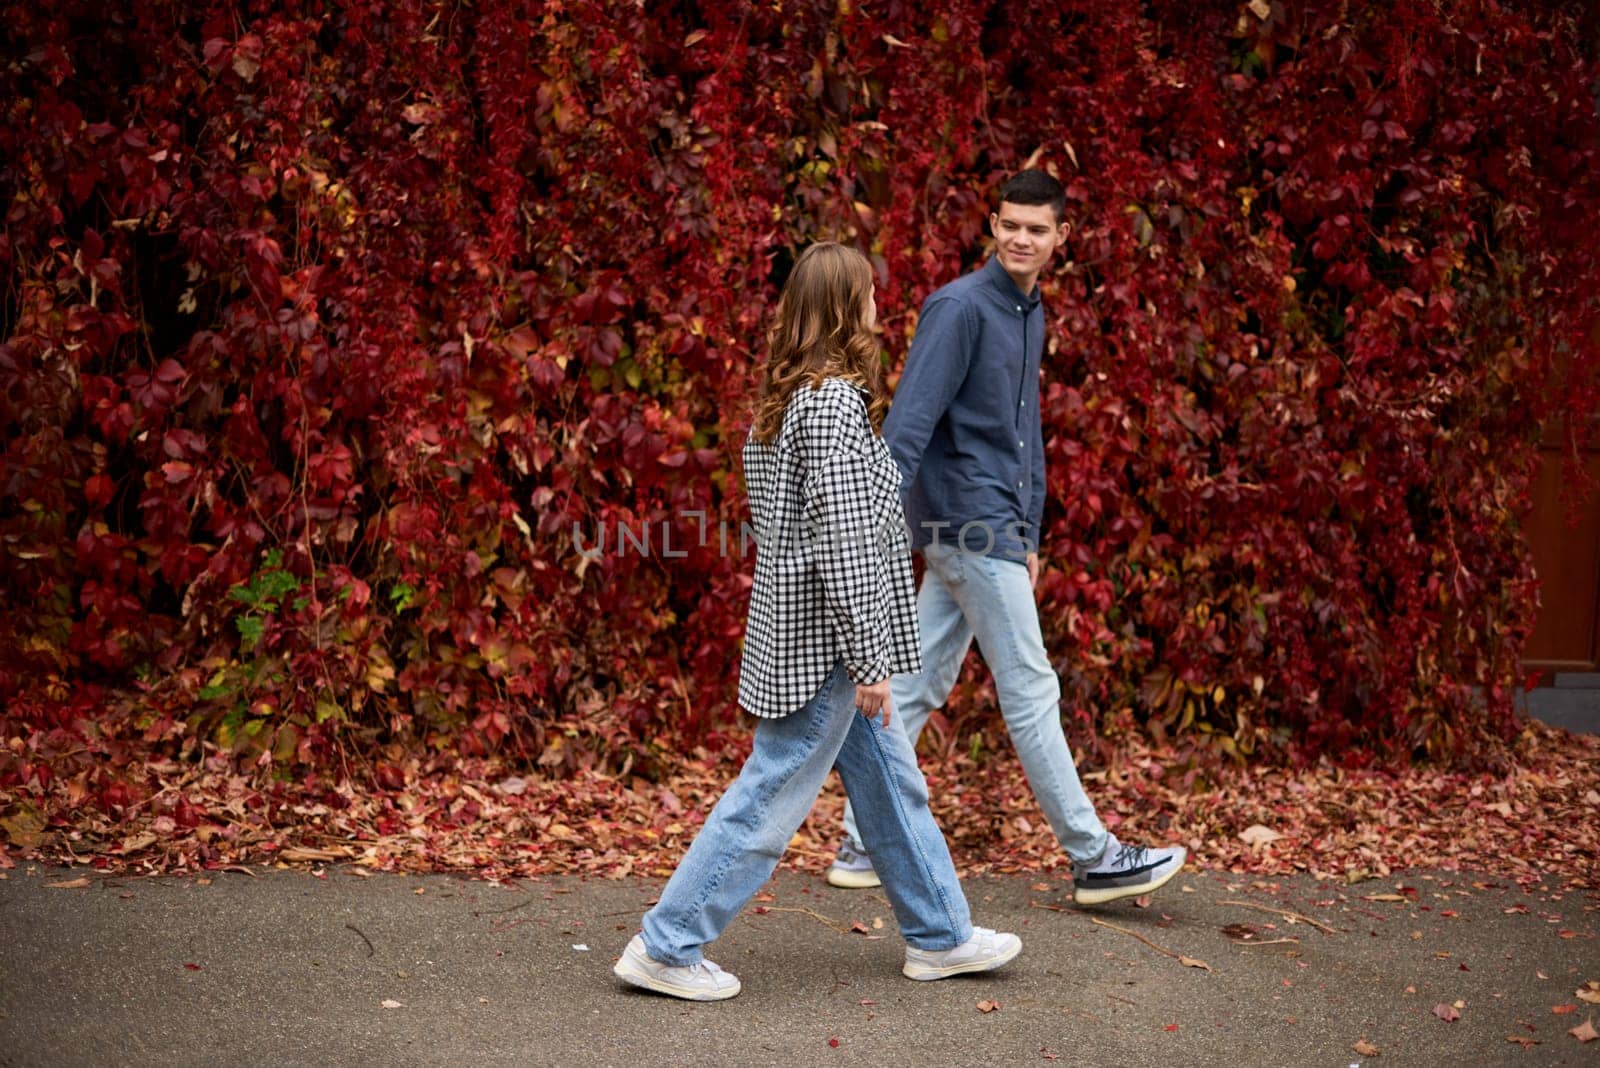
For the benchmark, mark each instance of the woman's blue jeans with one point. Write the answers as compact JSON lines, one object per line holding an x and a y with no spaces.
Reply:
{"x":748,"y":830}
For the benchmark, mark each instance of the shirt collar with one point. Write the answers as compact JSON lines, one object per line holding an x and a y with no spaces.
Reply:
{"x":1008,"y":288}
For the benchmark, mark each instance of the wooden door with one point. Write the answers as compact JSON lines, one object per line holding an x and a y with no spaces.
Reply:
{"x":1566,"y":556}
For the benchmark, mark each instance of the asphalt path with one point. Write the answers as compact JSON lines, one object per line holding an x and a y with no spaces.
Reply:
{"x":284,"y":967}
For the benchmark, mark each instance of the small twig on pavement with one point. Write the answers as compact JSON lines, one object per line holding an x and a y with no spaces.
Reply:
{"x":1135,"y":934}
{"x":1292,"y":917}
{"x":364,"y":938}
{"x":1125,"y":1001}
{"x":835,"y":924}
{"x":1052,"y":908}
{"x":1269,"y":942}
{"x":1187,"y":962}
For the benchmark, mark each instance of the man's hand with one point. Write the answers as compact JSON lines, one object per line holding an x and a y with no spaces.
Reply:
{"x":1033,"y":570}
{"x":870,"y":700}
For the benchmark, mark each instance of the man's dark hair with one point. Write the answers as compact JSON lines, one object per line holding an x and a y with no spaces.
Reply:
{"x":1035,"y":187}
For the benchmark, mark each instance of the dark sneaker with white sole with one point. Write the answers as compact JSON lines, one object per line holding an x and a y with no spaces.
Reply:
{"x":852,"y":869}
{"x":1125,"y":871}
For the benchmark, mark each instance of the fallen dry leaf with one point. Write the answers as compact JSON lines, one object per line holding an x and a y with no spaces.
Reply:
{"x":1365,"y":1048}
{"x":1194,"y":962}
{"x":135,"y":842}
{"x":1590,"y":992}
{"x":390,"y":1003}
{"x":25,"y":828}
{"x":307,"y":853}
{"x":1447,"y":1013}
{"x":70,"y":884}
{"x":1562,"y":1010}
{"x":859,"y":928}
{"x":1258,"y":834}
{"x":1585,"y":1031}
{"x":988,"y":1006}
{"x":1523,"y":1041}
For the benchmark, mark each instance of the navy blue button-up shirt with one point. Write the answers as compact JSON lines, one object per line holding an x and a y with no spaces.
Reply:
{"x":964,"y":427}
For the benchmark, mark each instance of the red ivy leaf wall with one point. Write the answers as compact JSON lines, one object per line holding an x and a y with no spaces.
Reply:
{"x":338,"y":334}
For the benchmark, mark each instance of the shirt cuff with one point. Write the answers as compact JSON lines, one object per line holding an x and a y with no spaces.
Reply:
{"x":867,"y":672}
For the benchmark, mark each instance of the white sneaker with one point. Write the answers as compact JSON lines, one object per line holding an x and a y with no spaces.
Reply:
{"x":985,"y":951}
{"x":696,"y":982}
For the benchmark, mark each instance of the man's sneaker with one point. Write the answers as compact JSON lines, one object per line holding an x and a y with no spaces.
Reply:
{"x":1125,"y":871}
{"x":852,"y":869}
{"x":697,"y":982}
{"x":985,"y":951}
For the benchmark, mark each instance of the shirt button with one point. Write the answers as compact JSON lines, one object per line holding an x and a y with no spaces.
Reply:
{"x":1019,"y":307}
{"x":1019,"y":444}
{"x":1019,"y":485}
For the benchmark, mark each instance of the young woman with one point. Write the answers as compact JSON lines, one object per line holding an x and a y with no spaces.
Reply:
{"x":832,"y":615}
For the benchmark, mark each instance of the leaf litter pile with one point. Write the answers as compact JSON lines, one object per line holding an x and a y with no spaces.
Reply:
{"x":1537,"y":822}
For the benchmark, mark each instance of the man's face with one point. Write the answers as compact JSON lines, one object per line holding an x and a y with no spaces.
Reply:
{"x":1026,"y":235}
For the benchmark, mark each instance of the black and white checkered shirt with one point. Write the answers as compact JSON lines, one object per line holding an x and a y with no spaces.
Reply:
{"x":833,"y":561}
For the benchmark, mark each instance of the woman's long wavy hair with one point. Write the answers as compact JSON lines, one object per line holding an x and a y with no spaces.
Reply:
{"x":821,"y":330}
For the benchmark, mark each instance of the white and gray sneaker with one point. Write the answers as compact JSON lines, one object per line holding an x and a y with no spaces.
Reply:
{"x":696,"y":982}
{"x":985,"y":951}
{"x":852,"y":869}
{"x":1125,"y":871}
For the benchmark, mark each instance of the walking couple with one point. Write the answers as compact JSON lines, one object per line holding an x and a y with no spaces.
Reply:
{"x":842,"y":662}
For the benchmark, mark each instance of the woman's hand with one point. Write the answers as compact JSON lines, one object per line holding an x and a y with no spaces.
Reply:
{"x":870,"y":700}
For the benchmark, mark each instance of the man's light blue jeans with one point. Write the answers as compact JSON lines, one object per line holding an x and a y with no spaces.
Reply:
{"x":748,"y":830}
{"x":967,"y":595}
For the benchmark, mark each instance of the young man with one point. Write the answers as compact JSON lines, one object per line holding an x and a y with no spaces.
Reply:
{"x":965,"y":432}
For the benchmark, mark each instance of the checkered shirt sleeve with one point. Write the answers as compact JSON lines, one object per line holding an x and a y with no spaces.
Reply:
{"x":833,"y":573}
